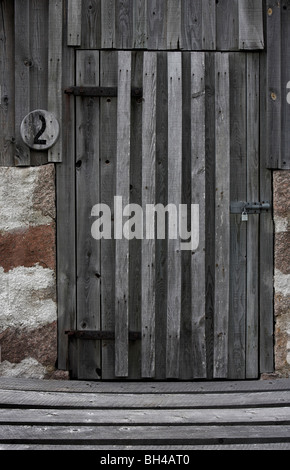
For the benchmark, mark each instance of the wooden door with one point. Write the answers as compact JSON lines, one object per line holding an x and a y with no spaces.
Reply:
{"x":146,"y":308}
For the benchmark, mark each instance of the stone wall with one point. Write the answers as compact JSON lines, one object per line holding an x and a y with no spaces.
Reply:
{"x":28,"y":315}
{"x":281,"y":183}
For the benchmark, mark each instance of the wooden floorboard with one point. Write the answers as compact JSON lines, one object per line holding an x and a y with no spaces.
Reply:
{"x":144,"y":416}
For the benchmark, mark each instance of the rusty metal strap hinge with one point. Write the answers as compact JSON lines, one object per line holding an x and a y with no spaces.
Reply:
{"x":100,"y":335}
{"x":100,"y":91}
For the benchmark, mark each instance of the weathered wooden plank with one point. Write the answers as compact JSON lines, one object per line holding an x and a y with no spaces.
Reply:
{"x":73,"y":400}
{"x":55,"y":95}
{"x":210,"y":113}
{"x":124,"y":24}
{"x":186,"y":352}
{"x":198,"y":198}
{"x":208,"y":25}
{"x":39,"y":70}
{"x":253,"y":162}
{"x":148,"y":199}
{"x":108,"y":143}
{"x":238,"y":236}
{"x":174,"y":200}
{"x":161,"y":198}
{"x":65,"y":200}
{"x":108,"y":23}
{"x":251,"y":34}
{"x":74,"y":22}
{"x":285,"y":74}
{"x":227,"y":17}
{"x":91,"y":24}
{"x":152,"y":387}
{"x":156,"y":24}
{"x":7,"y":122}
{"x":222,"y":219}
{"x":140,"y":24}
{"x":174,"y":24}
{"x":266,"y":253}
{"x":274,"y":99}
{"x":135,"y":198}
{"x":122,"y":191}
{"x":23,"y":62}
{"x":245,"y":416}
{"x":191,"y":25}
{"x":87,"y":195}
{"x":194,"y":435}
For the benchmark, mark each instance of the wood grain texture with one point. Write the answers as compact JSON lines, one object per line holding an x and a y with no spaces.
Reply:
{"x":174,"y":25}
{"x":74,"y":22}
{"x":124,"y":24}
{"x":7,"y":118}
{"x":222,"y":219}
{"x":65,"y":200}
{"x":253,"y":163}
{"x":148,"y":198}
{"x":108,"y":23}
{"x":174,"y":199}
{"x":157,"y":24}
{"x":55,"y":94}
{"x":191,"y":26}
{"x":227,"y":29}
{"x":91,"y":24}
{"x":238,"y":229}
{"x":122,"y":190}
{"x":198,"y":197}
{"x":208,"y":25}
{"x":23,"y":62}
{"x":251,"y":34}
{"x":139,"y":24}
{"x":108,"y":143}
{"x":285,"y":74}
{"x":87,"y":195}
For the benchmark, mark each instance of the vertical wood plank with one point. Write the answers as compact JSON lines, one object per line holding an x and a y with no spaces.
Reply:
{"x":227,"y":13}
{"x":266,"y":253}
{"x":186,"y":353}
{"x":274,"y":86}
{"x":210,"y":116}
{"x":174,"y":24}
{"x":162,"y":198}
{"x":238,"y":192}
{"x":122,"y":190}
{"x":222,"y":220}
{"x":140,"y":24}
{"x":108,"y":143}
{"x":23,"y":62}
{"x":39,"y":11}
{"x":7,"y":83}
{"x":251,"y":34}
{"x":198,"y":197}
{"x":87,"y":195}
{"x":148,"y":197}
{"x":174,"y":199}
{"x":65,"y":194}
{"x":74,"y":23}
{"x":157,"y":24}
{"x":191,"y":25}
{"x":208,"y":25}
{"x":108,"y":23}
{"x":91,"y":24}
{"x":253,"y":124}
{"x":55,"y":94}
{"x":135,"y":321}
{"x":124,"y":24}
{"x":285,"y":78}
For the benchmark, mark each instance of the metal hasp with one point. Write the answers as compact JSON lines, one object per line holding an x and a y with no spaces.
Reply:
{"x":100,"y":335}
{"x":98,"y":91}
{"x":239,"y":207}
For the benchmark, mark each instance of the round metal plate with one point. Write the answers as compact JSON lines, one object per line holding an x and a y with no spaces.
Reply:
{"x":39,"y":129}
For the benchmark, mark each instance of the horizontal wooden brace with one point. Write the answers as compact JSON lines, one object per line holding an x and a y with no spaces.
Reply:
{"x":98,"y":91}
{"x":100,"y":335}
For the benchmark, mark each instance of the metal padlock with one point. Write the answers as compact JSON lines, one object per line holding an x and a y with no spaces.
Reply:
{"x":245,"y":216}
